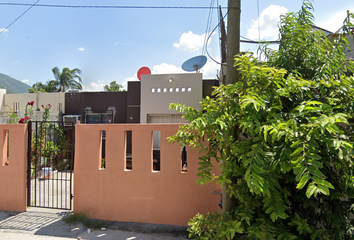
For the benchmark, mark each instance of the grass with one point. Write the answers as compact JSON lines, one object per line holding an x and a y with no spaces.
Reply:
{"x":81,"y":218}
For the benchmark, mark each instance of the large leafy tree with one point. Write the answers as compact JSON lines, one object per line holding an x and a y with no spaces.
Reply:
{"x":67,"y":78}
{"x":50,"y":86}
{"x":283,"y":139}
{"x":113,"y":87}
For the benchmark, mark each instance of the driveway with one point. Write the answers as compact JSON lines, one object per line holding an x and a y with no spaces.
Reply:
{"x":41,"y":224}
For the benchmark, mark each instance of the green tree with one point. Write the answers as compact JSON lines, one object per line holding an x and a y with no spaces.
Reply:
{"x":50,"y":86}
{"x":113,"y":87}
{"x":67,"y":78}
{"x":282,"y":135}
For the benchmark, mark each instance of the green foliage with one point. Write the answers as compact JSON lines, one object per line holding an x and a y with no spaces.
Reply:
{"x":13,"y":117}
{"x":50,"y":86}
{"x":113,"y":87}
{"x":67,"y":78}
{"x":64,"y":79}
{"x":283,"y":140}
{"x":81,"y":218}
{"x":103,"y":163}
{"x":46,"y":113}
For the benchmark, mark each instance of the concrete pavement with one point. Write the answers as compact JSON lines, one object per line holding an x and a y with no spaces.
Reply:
{"x":41,"y":224}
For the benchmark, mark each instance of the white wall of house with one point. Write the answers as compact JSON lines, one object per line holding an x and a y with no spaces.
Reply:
{"x":2,"y":97}
{"x":159,"y":90}
{"x":18,"y":101}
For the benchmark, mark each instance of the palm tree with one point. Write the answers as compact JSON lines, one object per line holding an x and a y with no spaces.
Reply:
{"x":67,"y":78}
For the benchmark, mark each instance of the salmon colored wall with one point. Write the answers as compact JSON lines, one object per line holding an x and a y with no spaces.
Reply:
{"x":13,"y":177}
{"x":140,"y":195}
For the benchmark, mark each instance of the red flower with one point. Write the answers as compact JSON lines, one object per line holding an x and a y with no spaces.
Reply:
{"x":49,"y":105}
{"x":43,"y":106}
{"x":27,"y":118}
{"x":30,"y":103}
{"x":22,"y":120}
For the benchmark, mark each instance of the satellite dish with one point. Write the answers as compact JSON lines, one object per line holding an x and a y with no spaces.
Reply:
{"x":194,"y":63}
{"x":143,"y":70}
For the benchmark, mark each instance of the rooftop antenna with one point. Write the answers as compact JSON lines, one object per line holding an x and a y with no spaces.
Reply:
{"x":194,"y":63}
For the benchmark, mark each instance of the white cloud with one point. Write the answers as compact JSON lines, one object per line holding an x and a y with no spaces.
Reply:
{"x":81,"y":49}
{"x":15,"y":62}
{"x":211,"y":69}
{"x":268,"y":23}
{"x":334,"y":21}
{"x":4,"y":30}
{"x":122,"y":44}
{"x":166,"y":68}
{"x":25,"y":81}
{"x":191,"y":42}
{"x":93,"y":86}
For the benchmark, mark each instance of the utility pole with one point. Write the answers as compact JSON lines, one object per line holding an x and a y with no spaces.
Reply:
{"x":223,"y":47}
{"x":232,"y":76}
{"x":233,"y":39}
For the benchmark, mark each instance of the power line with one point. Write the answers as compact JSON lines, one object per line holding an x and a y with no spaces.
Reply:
{"x":31,"y":5}
{"x":208,"y":26}
{"x":259,"y":26}
{"x":245,"y":41}
{"x":106,"y":6}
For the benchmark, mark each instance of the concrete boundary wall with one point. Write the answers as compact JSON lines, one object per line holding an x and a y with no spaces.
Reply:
{"x":168,"y":196}
{"x":13,"y":168}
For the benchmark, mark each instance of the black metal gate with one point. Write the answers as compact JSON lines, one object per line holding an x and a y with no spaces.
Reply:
{"x":50,"y":164}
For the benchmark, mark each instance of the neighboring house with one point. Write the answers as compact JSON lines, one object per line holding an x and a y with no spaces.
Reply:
{"x":18,"y":102}
{"x":136,"y":105}
{"x":145,"y":101}
{"x":349,"y":52}
{"x":158,"y":91}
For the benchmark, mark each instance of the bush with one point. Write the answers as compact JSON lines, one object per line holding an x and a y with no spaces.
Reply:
{"x":284,"y":141}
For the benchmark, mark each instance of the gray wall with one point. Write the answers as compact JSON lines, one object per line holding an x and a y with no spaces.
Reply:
{"x":156,"y":95}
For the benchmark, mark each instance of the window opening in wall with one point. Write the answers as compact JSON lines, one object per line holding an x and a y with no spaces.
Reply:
{"x":156,"y":153}
{"x":183,"y":89}
{"x":171,"y":89}
{"x":128,"y":150}
{"x":103,"y":150}
{"x":164,"y":89}
{"x":159,"y":90}
{"x":184,"y":158}
{"x":177,"y":89}
{"x":189,"y":89}
{"x":6,"y":153}
{"x":152,"y":90}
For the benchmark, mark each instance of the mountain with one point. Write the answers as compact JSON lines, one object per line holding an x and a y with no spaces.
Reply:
{"x":12,"y":85}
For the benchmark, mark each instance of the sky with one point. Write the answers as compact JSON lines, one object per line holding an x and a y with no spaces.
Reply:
{"x":112,"y":44}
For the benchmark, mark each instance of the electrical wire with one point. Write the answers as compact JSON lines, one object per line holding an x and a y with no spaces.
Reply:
{"x":248,"y":41}
{"x":208,"y":41}
{"x":259,"y":26}
{"x":207,"y":26}
{"x":104,"y":6}
{"x":6,"y":28}
{"x":259,"y":30}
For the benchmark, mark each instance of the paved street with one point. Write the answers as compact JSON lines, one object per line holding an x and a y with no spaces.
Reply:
{"x":41,"y":224}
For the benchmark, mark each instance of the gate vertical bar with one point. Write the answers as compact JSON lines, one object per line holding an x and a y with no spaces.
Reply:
{"x":29,"y":158}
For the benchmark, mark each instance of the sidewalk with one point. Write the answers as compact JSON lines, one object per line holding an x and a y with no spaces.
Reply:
{"x":42,"y":224}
